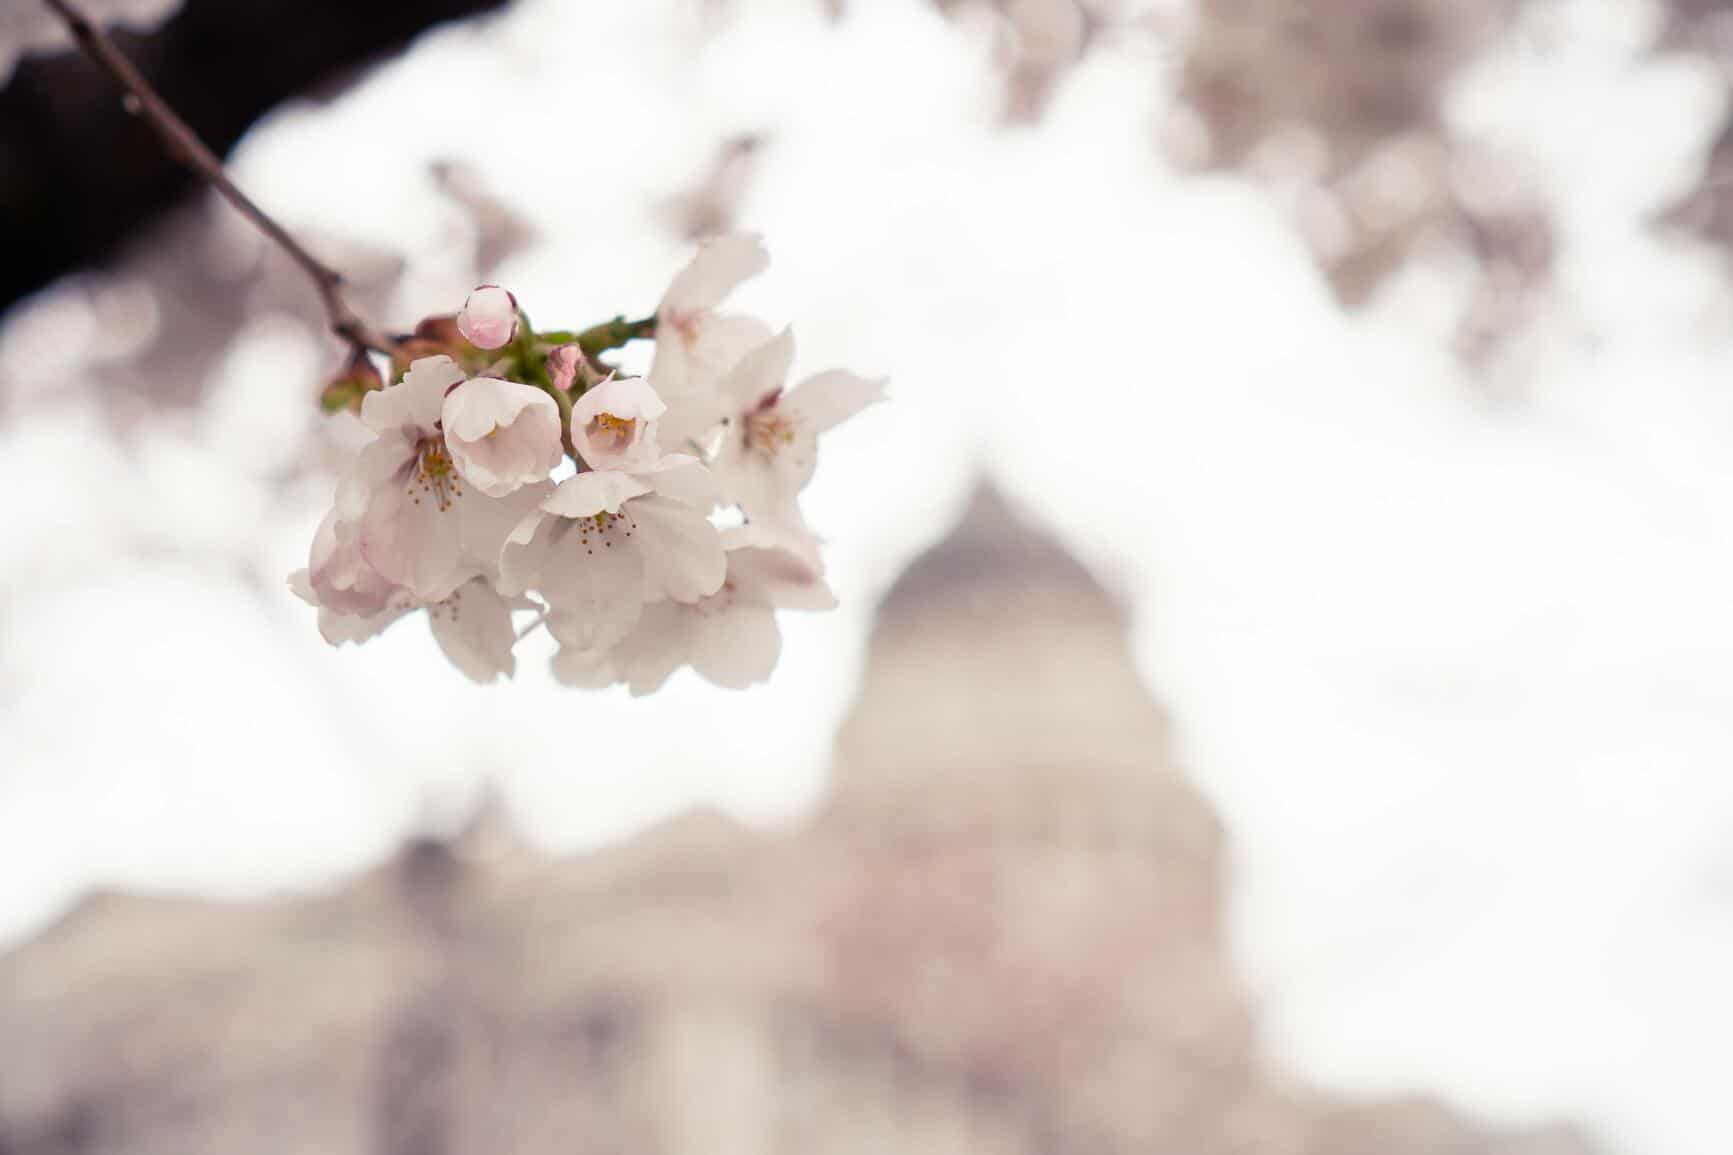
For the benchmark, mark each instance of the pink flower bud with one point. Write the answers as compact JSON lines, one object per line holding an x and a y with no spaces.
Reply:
{"x":563,"y":366}
{"x":489,"y":318}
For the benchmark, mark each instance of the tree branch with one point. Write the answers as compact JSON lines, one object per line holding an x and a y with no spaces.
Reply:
{"x":184,"y":145}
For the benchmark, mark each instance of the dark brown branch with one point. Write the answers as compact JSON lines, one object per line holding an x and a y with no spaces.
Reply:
{"x":183,"y":144}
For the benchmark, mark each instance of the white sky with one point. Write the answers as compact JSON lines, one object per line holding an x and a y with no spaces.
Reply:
{"x":1455,"y":672}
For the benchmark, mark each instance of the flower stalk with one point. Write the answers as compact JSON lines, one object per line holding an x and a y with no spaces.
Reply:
{"x":184,"y":145}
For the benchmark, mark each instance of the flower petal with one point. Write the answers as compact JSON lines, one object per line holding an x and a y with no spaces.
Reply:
{"x":827,"y":399}
{"x":338,"y":577}
{"x":757,"y":375}
{"x":485,"y":524}
{"x":593,"y":580}
{"x":684,"y":478}
{"x":525,"y":552}
{"x":415,"y":544}
{"x":777,"y":565}
{"x":599,"y":491}
{"x":682,"y":551}
{"x":502,"y":435}
{"x":584,"y":669}
{"x":651,"y":653}
{"x":720,"y":264}
{"x":416,"y":401}
{"x":474,"y":629}
{"x":737,"y":647}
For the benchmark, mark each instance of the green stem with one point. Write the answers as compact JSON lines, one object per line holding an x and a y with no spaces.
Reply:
{"x":598,"y":339}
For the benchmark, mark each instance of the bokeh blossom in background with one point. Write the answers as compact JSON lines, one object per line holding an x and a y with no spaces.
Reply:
{"x":1374,"y":352}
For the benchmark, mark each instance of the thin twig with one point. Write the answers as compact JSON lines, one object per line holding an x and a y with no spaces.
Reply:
{"x":184,"y":145}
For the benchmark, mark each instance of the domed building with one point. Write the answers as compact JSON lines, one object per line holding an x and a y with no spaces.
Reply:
{"x":999,"y":935}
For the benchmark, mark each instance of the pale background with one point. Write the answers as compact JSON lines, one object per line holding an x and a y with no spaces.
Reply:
{"x":1447,"y":643}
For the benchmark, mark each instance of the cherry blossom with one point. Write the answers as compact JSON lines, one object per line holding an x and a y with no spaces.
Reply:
{"x":614,"y":424}
{"x":769,"y":447}
{"x":339,"y":577}
{"x":634,"y":559}
{"x":419,"y":523}
{"x":729,"y":637}
{"x":605,"y":543}
{"x":489,"y":318}
{"x":472,"y":624}
{"x":502,"y":435}
{"x":695,"y":342}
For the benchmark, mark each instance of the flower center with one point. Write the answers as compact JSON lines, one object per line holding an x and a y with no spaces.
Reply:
{"x":435,"y":475}
{"x":613,"y":433}
{"x":768,"y":431}
{"x":600,"y":530}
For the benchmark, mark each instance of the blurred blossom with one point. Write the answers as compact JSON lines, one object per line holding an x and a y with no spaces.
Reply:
{"x":1447,"y":681}
{"x":28,"y":26}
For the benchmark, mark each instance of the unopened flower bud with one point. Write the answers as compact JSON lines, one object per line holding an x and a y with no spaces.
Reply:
{"x":563,"y":363}
{"x":489,"y":318}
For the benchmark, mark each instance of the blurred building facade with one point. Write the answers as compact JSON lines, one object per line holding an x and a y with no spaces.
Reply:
{"x":1000,"y":934}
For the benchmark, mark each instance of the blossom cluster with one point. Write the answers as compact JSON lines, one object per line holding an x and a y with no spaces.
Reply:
{"x":647,"y":523}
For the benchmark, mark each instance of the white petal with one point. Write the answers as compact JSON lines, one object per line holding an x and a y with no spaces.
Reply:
{"x":375,"y":466}
{"x":584,"y":669}
{"x":776,"y":565}
{"x":719,"y":265}
{"x":689,"y":365}
{"x":599,"y":491}
{"x":827,"y":399}
{"x":659,"y":646}
{"x":684,"y":478}
{"x":736,"y":647}
{"x":473,"y":626}
{"x":593,"y":581}
{"x":721,"y":340}
{"x":757,"y":375}
{"x":629,"y":397}
{"x":339,"y":628}
{"x":338,"y":577}
{"x":502,"y":434}
{"x":416,"y":401}
{"x":525,"y":552}
{"x":765,"y":487}
{"x":301,"y":587}
{"x":682,"y":551}
{"x":485,"y":523}
{"x":415,"y":544}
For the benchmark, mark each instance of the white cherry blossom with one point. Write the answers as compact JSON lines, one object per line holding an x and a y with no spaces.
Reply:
{"x":695,"y":342}
{"x":769,"y":446}
{"x":416,"y":521}
{"x":472,"y":624}
{"x":605,"y":543}
{"x":338,"y":576}
{"x":729,"y":637}
{"x":489,"y":318}
{"x":451,"y":510}
{"x":614,"y":424}
{"x":503,"y":435}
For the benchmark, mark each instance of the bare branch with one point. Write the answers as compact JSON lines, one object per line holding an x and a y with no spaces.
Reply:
{"x":185,"y":146}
